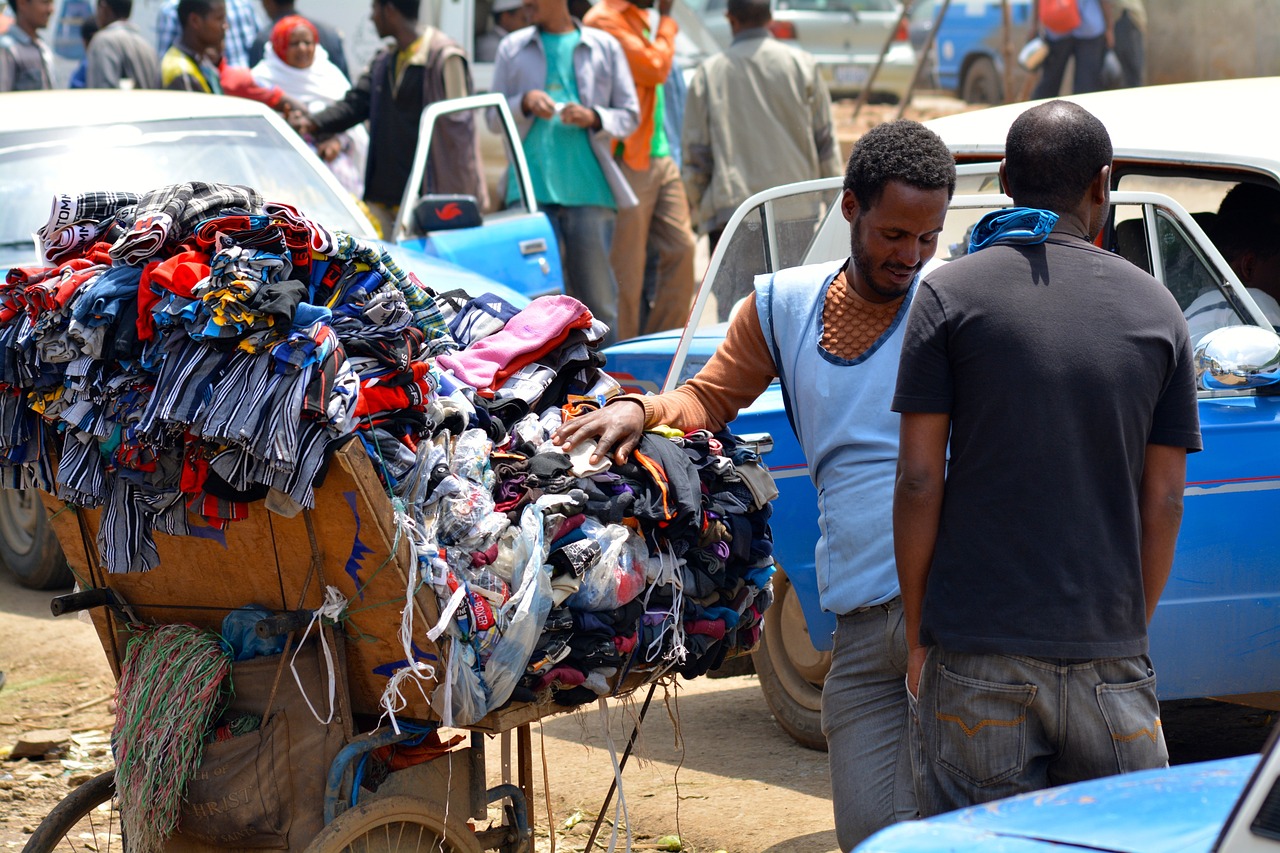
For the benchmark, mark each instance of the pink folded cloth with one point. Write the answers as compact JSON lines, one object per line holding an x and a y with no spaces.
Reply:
{"x":541,"y":326}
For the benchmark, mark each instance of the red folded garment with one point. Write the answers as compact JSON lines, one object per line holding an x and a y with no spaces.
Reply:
{"x":148,"y":298}
{"x":181,"y":272}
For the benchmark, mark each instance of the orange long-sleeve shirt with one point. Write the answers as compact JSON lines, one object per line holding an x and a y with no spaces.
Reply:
{"x":742,"y":367}
{"x":650,"y":61}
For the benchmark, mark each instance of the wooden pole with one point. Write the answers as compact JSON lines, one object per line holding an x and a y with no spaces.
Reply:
{"x":1006,"y":48}
{"x":875,"y":72}
{"x":924,"y":56}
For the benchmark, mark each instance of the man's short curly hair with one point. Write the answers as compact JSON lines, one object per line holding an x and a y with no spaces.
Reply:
{"x":904,"y":151}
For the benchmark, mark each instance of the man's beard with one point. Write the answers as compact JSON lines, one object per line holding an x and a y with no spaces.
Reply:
{"x":862,"y":264}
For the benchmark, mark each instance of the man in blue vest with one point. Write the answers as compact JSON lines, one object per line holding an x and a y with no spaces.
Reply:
{"x":832,"y":333}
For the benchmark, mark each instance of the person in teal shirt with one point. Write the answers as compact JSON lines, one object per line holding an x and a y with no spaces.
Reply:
{"x":571,"y":93}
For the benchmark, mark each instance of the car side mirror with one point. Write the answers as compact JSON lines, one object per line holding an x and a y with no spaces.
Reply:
{"x":1237,"y":358}
{"x":446,"y":212}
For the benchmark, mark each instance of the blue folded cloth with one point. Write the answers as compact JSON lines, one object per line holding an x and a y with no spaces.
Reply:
{"x":1019,"y":226}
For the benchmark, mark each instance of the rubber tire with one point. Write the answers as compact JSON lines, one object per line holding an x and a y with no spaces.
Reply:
{"x":52,"y":831}
{"x":29,"y":548}
{"x":357,"y":822}
{"x":794,"y":698}
{"x":982,"y":83}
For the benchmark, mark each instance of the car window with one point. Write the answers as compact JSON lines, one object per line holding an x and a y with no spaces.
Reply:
{"x":1193,"y":281}
{"x":1195,"y":194}
{"x":1185,"y":271}
{"x":37,"y":165}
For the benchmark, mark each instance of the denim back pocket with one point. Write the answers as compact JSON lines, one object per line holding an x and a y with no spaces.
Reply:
{"x":1132,"y":713}
{"x":981,"y":727}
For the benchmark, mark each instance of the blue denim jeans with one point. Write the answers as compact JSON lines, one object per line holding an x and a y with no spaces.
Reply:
{"x":586,"y":236}
{"x":865,"y":720}
{"x":991,"y":726}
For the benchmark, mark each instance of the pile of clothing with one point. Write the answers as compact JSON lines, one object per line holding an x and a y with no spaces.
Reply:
{"x":195,"y":352}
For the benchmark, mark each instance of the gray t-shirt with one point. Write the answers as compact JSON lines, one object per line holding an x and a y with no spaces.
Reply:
{"x":1058,"y":364}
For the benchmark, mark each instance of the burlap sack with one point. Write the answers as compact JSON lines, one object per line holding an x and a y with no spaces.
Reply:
{"x":265,"y":789}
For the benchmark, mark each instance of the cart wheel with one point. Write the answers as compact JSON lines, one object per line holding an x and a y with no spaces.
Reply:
{"x":87,"y":819}
{"x":392,"y":824}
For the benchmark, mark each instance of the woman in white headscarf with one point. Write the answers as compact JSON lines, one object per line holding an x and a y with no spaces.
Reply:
{"x":295,"y":61}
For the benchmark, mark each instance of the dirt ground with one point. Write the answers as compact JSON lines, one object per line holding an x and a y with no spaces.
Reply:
{"x":711,"y":767}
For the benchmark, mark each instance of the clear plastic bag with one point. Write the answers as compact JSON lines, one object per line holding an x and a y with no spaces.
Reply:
{"x":522,"y":617}
{"x":470,"y":458}
{"x":463,"y":689}
{"x":619,"y":575}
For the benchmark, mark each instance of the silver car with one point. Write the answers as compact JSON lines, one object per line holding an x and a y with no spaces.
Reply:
{"x":844,"y":36}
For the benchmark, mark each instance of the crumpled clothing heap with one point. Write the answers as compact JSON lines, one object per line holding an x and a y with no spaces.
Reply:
{"x":570,"y":579}
{"x":215,"y":353}
{"x":197,"y":363}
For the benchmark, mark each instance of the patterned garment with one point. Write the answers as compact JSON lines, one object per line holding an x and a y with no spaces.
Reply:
{"x":79,"y":220}
{"x":426,"y":314}
{"x":171,"y":214}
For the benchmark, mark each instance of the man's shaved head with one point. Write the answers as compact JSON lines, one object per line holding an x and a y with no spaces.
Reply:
{"x":1052,"y":153}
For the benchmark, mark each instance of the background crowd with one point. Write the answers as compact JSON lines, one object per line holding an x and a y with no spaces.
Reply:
{"x":656,"y":163}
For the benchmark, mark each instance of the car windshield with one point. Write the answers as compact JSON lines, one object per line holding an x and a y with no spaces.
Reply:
{"x":36,"y":165}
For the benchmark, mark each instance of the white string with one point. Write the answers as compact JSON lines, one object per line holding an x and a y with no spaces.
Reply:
{"x":669,"y":574}
{"x":393,"y":699}
{"x":621,"y":805}
{"x":334,"y":605}
{"x":446,"y":615}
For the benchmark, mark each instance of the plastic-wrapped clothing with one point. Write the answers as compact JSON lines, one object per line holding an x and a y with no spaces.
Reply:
{"x":523,"y":615}
{"x":617,"y":578}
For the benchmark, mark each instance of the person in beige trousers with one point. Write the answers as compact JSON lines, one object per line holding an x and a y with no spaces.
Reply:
{"x":661,"y":218}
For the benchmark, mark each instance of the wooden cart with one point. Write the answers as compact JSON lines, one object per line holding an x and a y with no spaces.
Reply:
{"x":347,"y":541}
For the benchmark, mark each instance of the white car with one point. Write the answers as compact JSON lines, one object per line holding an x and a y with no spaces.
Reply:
{"x":844,"y":36}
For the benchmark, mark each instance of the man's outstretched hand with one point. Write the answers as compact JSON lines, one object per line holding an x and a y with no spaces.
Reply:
{"x":617,"y":428}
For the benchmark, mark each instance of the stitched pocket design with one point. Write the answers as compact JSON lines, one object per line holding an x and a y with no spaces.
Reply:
{"x":1133,"y":718}
{"x":981,"y":727}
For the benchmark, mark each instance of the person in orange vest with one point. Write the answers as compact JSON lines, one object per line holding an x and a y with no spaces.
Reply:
{"x":661,"y":218}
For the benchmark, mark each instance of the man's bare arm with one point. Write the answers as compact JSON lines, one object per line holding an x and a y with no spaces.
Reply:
{"x":1164,"y":477}
{"x":917,"y":511}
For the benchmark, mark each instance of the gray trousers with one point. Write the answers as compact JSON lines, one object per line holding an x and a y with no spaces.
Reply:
{"x":991,"y":726}
{"x":866,"y":722}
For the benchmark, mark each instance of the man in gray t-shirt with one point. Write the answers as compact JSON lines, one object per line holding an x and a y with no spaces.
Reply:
{"x":119,"y":57}
{"x":26,"y":62}
{"x":1060,"y":377}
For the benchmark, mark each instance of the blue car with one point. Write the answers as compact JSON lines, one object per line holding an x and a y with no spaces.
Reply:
{"x":79,"y":141}
{"x":968,"y":51}
{"x":1215,"y":632}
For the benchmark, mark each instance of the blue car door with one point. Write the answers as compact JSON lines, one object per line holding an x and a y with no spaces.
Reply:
{"x":501,"y":235}
{"x":1216,"y":630}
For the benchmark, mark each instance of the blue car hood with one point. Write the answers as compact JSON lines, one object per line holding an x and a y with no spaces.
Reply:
{"x":1175,"y":810}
